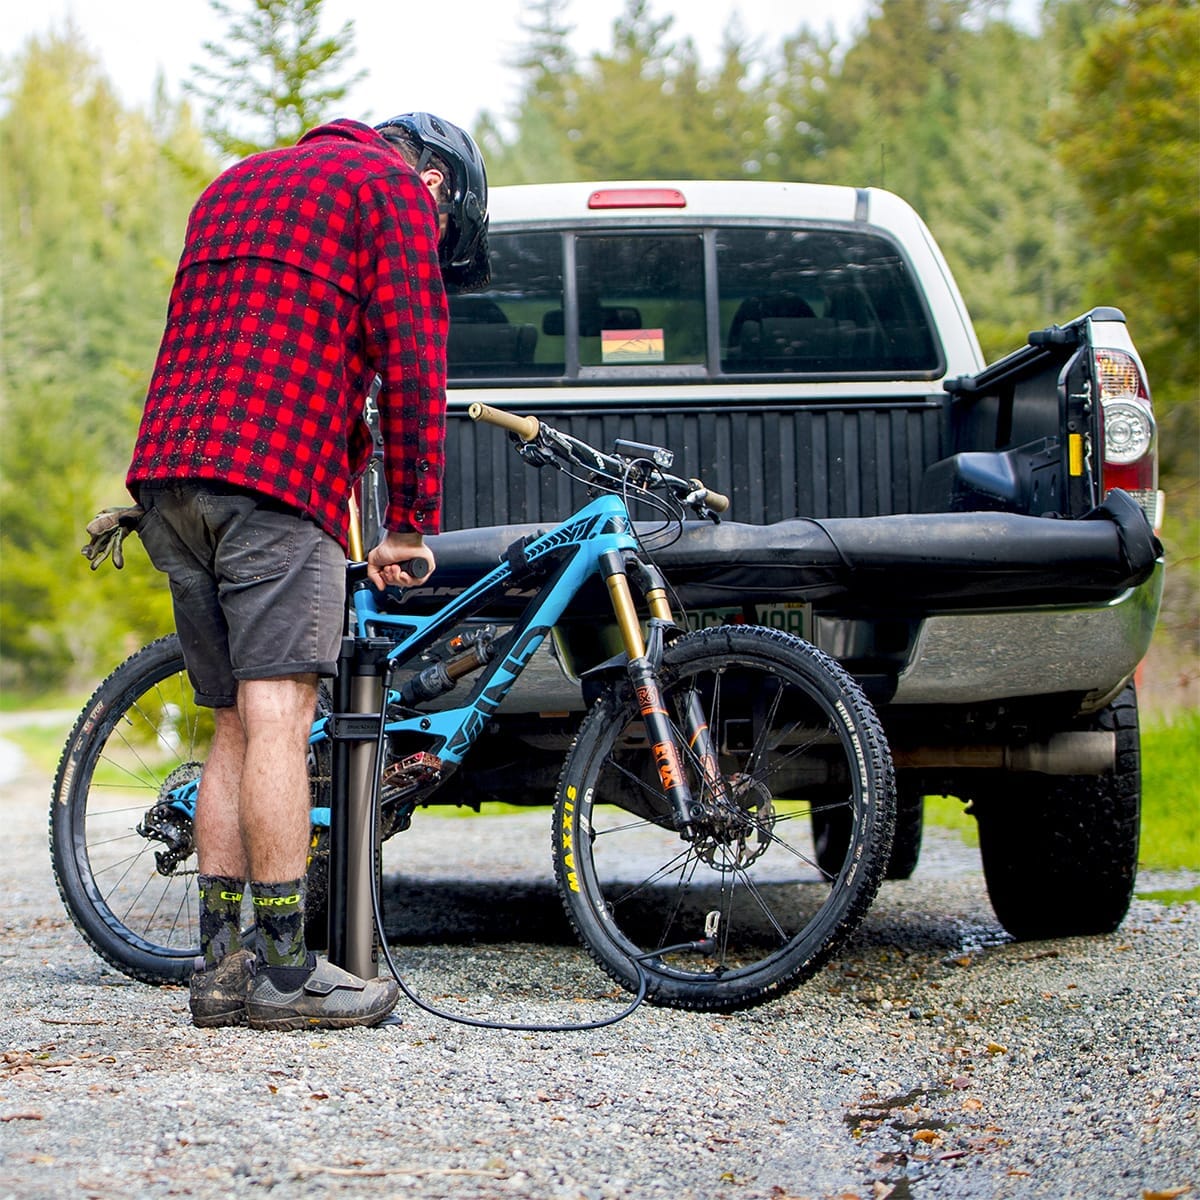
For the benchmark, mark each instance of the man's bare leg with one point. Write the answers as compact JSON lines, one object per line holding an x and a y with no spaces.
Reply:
{"x":276,"y":715}
{"x":222,"y":860}
{"x":218,"y":824}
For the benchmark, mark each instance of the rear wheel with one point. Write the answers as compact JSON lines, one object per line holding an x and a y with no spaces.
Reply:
{"x":1060,"y":852}
{"x":120,"y":826}
{"x":121,"y":840}
{"x":794,"y":734}
{"x":831,"y":832}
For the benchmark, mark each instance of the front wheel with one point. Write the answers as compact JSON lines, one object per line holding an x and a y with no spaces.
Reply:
{"x":743,"y":908}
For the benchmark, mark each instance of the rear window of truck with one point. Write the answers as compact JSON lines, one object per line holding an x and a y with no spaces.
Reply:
{"x":753,"y":302}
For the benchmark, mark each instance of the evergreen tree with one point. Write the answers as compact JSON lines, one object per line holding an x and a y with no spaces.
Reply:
{"x":625,"y":121}
{"x":539,"y":149}
{"x":725,"y":114}
{"x":93,"y":200}
{"x":803,"y":128}
{"x":1004,"y":210}
{"x":272,"y":76}
{"x":1129,"y":137}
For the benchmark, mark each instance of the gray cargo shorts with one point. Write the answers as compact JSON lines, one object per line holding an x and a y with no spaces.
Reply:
{"x":259,"y":590}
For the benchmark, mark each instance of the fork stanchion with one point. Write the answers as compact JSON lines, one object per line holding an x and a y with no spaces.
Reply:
{"x":353,"y":861}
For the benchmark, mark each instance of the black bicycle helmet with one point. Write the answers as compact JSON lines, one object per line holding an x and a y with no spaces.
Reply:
{"x":463,"y":251}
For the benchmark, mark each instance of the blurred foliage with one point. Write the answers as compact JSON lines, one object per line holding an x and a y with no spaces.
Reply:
{"x":1129,"y":137}
{"x":1056,"y":167}
{"x":270,"y":78}
{"x":93,"y":200}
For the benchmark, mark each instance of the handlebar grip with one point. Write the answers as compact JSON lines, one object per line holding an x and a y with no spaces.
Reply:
{"x":526,"y":428}
{"x":714,"y":500}
{"x":418,"y":568}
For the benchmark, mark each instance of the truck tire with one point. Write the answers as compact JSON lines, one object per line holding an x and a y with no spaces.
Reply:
{"x":910,"y":826}
{"x":1060,"y":852}
{"x":831,"y":835}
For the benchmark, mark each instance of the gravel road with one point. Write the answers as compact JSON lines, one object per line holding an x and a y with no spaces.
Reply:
{"x":934,"y":1058}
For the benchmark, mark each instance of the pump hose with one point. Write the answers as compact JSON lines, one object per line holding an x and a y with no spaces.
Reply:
{"x":377,"y":912}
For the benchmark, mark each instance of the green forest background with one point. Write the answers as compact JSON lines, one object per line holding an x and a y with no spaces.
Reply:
{"x":1057,"y":168}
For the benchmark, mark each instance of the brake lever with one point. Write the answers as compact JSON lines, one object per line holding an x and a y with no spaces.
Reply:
{"x":697,"y":501}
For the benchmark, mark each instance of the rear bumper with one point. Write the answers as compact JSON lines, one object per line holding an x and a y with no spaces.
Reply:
{"x":972,"y":657}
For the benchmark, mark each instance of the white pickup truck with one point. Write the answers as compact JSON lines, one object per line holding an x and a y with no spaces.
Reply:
{"x":974,"y":543}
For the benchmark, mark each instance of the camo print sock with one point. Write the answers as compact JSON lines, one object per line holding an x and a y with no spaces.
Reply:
{"x":220,"y":916}
{"x":279,"y":913}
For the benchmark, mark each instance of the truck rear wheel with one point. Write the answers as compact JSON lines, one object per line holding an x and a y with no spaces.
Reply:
{"x":1060,"y":852}
{"x":831,"y":835}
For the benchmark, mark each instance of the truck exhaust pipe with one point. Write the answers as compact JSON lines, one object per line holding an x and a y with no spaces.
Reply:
{"x":1067,"y":753}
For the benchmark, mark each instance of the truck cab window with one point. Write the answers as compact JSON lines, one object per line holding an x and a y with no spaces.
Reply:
{"x":796,"y":301}
{"x":513,"y":330}
{"x":641,"y":299}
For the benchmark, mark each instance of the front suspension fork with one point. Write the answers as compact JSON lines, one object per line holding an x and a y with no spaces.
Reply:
{"x":643,"y":664}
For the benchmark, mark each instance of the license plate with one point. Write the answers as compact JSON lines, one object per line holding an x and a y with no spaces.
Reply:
{"x":792,"y":617}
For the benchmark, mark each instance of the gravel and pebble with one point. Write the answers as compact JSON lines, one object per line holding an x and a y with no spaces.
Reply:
{"x":935,"y":1057}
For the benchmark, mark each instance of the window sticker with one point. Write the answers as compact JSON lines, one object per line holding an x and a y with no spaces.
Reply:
{"x":631,"y":346}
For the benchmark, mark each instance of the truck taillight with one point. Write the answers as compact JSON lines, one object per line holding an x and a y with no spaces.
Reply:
{"x":637,"y":197}
{"x":1129,"y":431}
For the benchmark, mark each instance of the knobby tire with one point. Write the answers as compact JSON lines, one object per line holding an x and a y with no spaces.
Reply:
{"x":138,"y":736}
{"x":795,"y":735}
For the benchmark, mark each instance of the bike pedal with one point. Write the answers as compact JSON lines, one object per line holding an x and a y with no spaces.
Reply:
{"x":416,"y":771}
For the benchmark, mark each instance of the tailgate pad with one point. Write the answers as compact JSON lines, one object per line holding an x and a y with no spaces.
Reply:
{"x":917,"y":561}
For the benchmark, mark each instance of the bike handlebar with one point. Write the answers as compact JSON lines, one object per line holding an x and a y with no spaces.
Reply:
{"x":530,"y":429}
{"x":717,"y":501}
{"x":356,"y":570}
{"x":526,"y":428}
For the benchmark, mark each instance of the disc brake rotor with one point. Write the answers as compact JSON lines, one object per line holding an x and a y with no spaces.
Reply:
{"x":740,"y":833}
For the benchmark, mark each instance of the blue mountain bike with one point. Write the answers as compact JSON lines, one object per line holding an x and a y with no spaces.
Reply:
{"x":722,"y":819}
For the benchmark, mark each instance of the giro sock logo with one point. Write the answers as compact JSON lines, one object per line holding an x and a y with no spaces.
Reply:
{"x":276,"y":901}
{"x":279,"y":916}
{"x":220,"y":916}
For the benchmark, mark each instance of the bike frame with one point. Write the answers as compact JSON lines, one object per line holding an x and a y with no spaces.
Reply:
{"x":585,"y":540}
{"x":593,"y":541}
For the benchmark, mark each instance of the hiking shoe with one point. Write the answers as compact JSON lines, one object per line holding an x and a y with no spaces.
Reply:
{"x":218,"y":993}
{"x":328,"y":998}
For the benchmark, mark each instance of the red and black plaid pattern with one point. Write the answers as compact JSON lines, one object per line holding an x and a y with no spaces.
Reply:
{"x":305,"y":272}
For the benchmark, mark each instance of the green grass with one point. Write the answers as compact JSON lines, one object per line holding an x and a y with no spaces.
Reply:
{"x":1170,"y":784}
{"x":948,"y":812}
